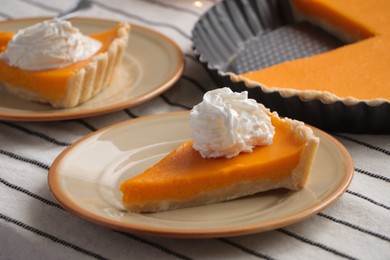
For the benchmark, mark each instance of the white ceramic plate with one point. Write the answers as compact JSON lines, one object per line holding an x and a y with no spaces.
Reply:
{"x":152,"y":64}
{"x":85,"y":180}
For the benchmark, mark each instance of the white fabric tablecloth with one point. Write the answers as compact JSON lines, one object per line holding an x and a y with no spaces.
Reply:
{"x":34,"y":226}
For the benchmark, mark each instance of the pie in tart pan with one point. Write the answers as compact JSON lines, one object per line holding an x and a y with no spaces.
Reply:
{"x":315,"y":61}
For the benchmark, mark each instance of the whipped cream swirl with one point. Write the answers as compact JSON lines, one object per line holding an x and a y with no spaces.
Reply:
{"x":47,"y":45}
{"x":226,"y":123}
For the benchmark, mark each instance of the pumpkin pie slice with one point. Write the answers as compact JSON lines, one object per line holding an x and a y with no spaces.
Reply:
{"x":184,"y":178}
{"x":71,"y":85}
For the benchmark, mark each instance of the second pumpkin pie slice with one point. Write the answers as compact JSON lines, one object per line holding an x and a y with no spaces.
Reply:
{"x":71,"y":85}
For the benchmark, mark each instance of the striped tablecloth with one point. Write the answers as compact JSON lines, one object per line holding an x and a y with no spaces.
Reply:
{"x":34,"y":226}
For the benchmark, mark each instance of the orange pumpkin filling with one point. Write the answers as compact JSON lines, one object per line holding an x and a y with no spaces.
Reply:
{"x":359,"y":70}
{"x":184,"y":174}
{"x":50,"y":84}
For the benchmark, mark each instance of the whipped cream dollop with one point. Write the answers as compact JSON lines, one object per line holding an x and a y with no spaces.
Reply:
{"x":226,"y":123}
{"x":47,"y":45}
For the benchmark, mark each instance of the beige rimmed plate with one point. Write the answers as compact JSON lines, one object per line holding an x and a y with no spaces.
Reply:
{"x":85,"y":180}
{"x":151,"y":65}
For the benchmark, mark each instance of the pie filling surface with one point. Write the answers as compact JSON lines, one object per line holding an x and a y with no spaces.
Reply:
{"x":358,"y":70}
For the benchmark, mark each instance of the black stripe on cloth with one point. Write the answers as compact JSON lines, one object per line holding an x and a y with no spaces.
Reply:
{"x":245,"y":249}
{"x":376,"y":148}
{"x":5,"y":15}
{"x":368,"y":199}
{"x":141,"y":19}
{"x":316,"y":244}
{"x":196,"y":83}
{"x":25,"y":159}
{"x":53,"y":204}
{"x":29,"y":193}
{"x":154,"y":245}
{"x":86,"y":124}
{"x":51,"y":237}
{"x":369,"y":232}
{"x":374,"y":175}
{"x":34,"y":133}
{"x":169,"y":6}
{"x":129,"y":113}
{"x":144,"y":241}
{"x":138,"y":239}
{"x":41,"y":6}
{"x":174,"y":104}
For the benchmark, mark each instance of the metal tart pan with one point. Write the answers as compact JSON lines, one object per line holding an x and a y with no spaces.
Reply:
{"x":236,"y":36}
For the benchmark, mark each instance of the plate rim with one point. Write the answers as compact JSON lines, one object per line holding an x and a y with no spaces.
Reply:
{"x":247,"y":229}
{"x":167,"y":83}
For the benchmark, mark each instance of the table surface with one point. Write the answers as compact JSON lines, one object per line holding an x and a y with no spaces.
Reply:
{"x":34,"y":226}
